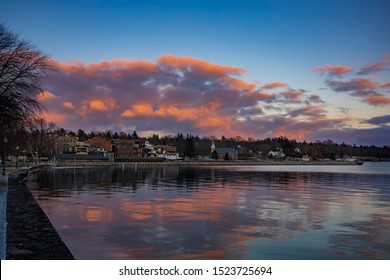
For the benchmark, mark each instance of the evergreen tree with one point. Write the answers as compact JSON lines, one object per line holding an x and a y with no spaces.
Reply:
{"x":214,"y":155}
{"x":82,"y":135}
{"x":189,"y":148}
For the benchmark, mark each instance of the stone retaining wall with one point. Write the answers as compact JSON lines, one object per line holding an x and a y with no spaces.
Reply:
{"x":30,"y":234}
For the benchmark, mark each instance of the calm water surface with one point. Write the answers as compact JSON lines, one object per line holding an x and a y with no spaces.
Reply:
{"x":256,"y":212}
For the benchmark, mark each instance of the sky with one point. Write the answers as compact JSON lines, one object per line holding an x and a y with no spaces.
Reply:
{"x":306,"y":69}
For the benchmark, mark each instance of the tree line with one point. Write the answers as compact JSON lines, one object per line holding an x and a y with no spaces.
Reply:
{"x":37,"y":138}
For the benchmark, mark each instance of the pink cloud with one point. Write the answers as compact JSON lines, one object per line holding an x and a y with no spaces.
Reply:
{"x":68,"y":105}
{"x":190,"y":64}
{"x":301,"y":124}
{"x":172,"y":90}
{"x":309,"y":111}
{"x":188,"y":95}
{"x":99,"y":105}
{"x":274,"y":85}
{"x":333,"y":70}
{"x":237,"y":84}
{"x":385,"y":85}
{"x":113,"y":67}
{"x":377,"y":100}
{"x":366,"y":89}
{"x":352,"y":85}
{"x":54,"y":117}
{"x":45,"y":96}
{"x":373,"y":68}
{"x":249,"y":99}
{"x":202,"y":117}
{"x":294,"y":96}
{"x":314,"y":98}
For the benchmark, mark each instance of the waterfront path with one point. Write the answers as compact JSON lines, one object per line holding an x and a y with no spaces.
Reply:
{"x":30,"y":234}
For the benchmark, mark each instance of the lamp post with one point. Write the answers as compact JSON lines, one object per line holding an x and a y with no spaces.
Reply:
{"x":5,"y":141}
{"x":17,"y":156}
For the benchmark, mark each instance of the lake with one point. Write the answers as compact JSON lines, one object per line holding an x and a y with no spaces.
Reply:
{"x":234,"y":212}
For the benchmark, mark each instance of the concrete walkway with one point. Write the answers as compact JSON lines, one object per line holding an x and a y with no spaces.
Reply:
{"x":30,"y":234}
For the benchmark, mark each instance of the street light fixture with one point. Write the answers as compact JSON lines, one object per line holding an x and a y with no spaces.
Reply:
{"x":5,"y":141}
{"x":17,"y":156}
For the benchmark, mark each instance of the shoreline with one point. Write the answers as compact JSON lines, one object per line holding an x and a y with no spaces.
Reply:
{"x":195,"y":163}
{"x":30,"y":234}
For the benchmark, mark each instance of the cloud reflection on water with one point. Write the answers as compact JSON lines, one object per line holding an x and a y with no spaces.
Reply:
{"x":183,"y":213}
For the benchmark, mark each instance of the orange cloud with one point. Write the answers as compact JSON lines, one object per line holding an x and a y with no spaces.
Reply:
{"x":314,"y":98}
{"x":146,"y":110}
{"x":205,"y":67}
{"x":71,"y":66}
{"x":265,"y":95}
{"x":98,"y":105}
{"x":220,"y":122}
{"x":53,"y":117}
{"x":202,"y":117}
{"x":333,"y":70}
{"x":143,"y":110}
{"x":365,"y":83}
{"x":377,"y":67}
{"x":274,"y":85}
{"x":193,"y":96}
{"x":309,"y":112}
{"x":357,"y":84}
{"x":46,"y":95}
{"x":377,"y":100}
{"x":68,"y":105}
{"x":385,"y":85}
{"x":292,"y":95}
{"x":113,"y":67}
{"x":239,"y":84}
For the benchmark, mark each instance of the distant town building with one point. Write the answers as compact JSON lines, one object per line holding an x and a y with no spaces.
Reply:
{"x":305,"y":158}
{"x":82,"y":148}
{"x":170,"y":156}
{"x":349,"y":158}
{"x":148,"y":150}
{"x":102,"y":142}
{"x":65,"y":143}
{"x":225,"y":153}
{"x":105,"y":147}
{"x":276,"y":154}
{"x":166,"y":149}
{"x":245,"y":154}
{"x":96,"y":150}
{"x":126,"y":148}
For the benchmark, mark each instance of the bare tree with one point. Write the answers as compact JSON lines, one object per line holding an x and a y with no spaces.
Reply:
{"x":22,"y":68}
{"x":41,"y":140}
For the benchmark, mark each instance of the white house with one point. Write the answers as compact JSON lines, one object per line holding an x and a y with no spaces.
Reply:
{"x":276,"y":154}
{"x":305,"y":158}
{"x":171,"y":156}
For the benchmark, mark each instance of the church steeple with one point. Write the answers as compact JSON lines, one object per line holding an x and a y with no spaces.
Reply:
{"x":212,"y":147}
